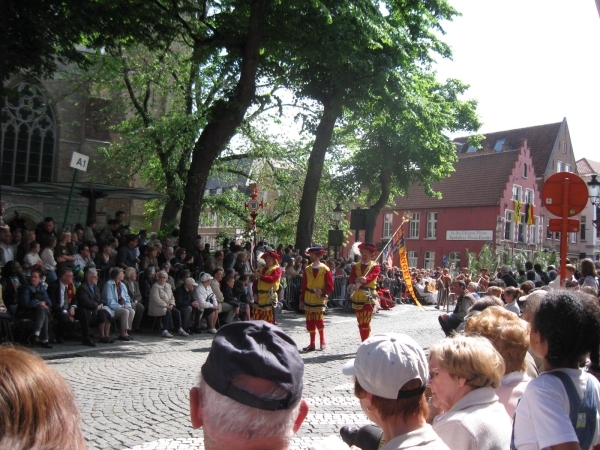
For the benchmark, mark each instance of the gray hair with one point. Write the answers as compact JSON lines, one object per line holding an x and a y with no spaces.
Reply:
{"x":129,"y":270}
{"x":473,"y":285}
{"x":162,"y":273}
{"x":167,"y":249}
{"x":225,"y":415}
{"x":150,"y":270}
{"x":91,"y":273}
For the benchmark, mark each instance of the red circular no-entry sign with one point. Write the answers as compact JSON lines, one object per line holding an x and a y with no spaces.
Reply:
{"x":553,"y":193}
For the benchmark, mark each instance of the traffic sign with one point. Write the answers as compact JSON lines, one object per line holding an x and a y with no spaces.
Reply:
{"x":553,"y":193}
{"x":79,"y":161}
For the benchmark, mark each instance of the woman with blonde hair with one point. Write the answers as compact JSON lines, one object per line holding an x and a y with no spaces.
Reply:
{"x":510,"y":336}
{"x":464,"y":373}
{"x":37,"y":407}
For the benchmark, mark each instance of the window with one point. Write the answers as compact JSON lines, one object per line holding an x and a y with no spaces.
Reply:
{"x":206,"y":192}
{"x":522,"y":229}
{"x":219,"y":191}
{"x":567,"y":167}
{"x":559,"y":166}
{"x":524,"y":170}
{"x":499,"y":144}
{"x":414,"y":226}
{"x":517,"y":191}
{"x":454,"y":258}
{"x":529,"y":197}
{"x":413,"y":258}
{"x":28,"y":136}
{"x":387,"y":225}
{"x":534,"y":230}
{"x":432,"y":225}
{"x":573,"y":238}
{"x":582,"y":229}
{"x":508,"y":225}
{"x":564,"y":147}
{"x":548,"y":234}
{"x":209,"y":220}
{"x":429,"y":260}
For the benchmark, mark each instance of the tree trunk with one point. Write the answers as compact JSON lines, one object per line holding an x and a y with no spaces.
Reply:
{"x":385,"y":179}
{"x":169,"y":215}
{"x":226,"y":116}
{"x":314,"y":172}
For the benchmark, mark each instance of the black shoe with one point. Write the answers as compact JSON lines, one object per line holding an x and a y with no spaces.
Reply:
{"x":197,"y":330}
{"x":190,"y":332}
{"x":88,"y":342}
{"x":130,"y":338}
{"x":309,"y":348}
{"x":124,"y":338}
{"x":45,"y":344}
{"x":348,"y":434}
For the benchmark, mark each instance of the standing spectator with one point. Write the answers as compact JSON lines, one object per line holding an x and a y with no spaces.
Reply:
{"x":135,"y":295}
{"x":543,"y":275}
{"x":116,"y":298}
{"x":90,"y":310}
{"x":17,"y":223}
{"x":17,"y":237}
{"x":47,"y":256}
{"x":511,"y":296}
{"x":507,"y":277}
{"x":162,"y":304}
{"x":23,"y":248}
{"x":589,"y":276}
{"x":45,"y":231}
{"x":108,"y":231}
{"x":36,"y":305}
{"x":89,"y":232}
{"x":12,"y":285}
{"x":231,"y":257}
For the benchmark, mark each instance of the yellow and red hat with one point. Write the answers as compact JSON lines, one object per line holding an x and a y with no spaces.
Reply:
{"x":316,"y":250}
{"x":368,"y":246}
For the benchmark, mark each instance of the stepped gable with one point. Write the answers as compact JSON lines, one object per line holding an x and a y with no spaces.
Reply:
{"x":478,"y":180}
{"x":540,"y":139}
{"x":588,"y":167}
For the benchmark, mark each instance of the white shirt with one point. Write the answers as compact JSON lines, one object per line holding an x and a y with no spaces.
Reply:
{"x":422,"y":439}
{"x":48,"y":259}
{"x":6,"y":253}
{"x":205,"y":297}
{"x":514,"y":307}
{"x":31,"y":259}
{"x":542,"y":417}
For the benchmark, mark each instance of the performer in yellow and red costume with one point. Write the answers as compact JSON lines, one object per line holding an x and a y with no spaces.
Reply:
{"x":267,"y":281}
{"x":364,"y":278}
{"x":317,"y":284}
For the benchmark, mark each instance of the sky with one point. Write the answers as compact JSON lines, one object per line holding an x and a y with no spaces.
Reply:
{"x":530,"y":62}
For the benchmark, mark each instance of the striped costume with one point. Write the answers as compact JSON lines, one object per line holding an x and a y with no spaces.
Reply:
{"x":314,"y":278}
{"x":269,"y":279}
{"x":361,"y":303}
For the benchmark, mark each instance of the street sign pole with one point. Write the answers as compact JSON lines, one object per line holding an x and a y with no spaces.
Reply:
{"x":78,"y":162}
{"x":565,"y":228}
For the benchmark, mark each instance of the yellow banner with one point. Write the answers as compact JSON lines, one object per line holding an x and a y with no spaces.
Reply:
{"x":405,"y":270}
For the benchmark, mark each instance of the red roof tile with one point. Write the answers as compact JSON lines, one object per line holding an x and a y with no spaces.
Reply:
{"x":478,"y":180}
{"x":587,"y":167}
{"x":540,"y":139}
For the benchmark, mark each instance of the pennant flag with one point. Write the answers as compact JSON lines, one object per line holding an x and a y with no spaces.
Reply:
{"x":404,"y":265}
{"x":517,"y":211}
{"x":529,"y":214}
{"x":392,"y":246}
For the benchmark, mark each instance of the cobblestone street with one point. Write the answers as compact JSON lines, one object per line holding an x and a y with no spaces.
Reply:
{"x":135,"y":395}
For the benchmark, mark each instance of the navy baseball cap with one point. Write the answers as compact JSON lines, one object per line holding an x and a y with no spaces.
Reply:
{"x":258,"y":349}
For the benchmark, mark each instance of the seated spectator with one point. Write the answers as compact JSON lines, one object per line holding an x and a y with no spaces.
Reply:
{"x":37,"y":407}
{"x":510,"y":336}
{"x":242,"y":263}
{"x":566,"y":327}
{"x":91,"y":311}
{"x":215,"y":286}
{"x":162,"y":304}
{"x":12,"y":281}
{"x":181,"y":258}
{"x":127,"y":255}
{"x":83,"y":261}
{"x":166,"y":267}
{"x":7,"y":253}
{"x":166,"y":256}
{"x":24,"y":246}
{"x":241,"y":291}
{"x":464,"y":300}
{"x":250,"y":390}
{"x":207,"y":300}
{"x":89,"y":232}
{"x":495,"y":291}
{"x":64,"y":253}
{"x":511,"y":296}
{"x":135,"y":295}
{"x":32,"y":260}
{"x":390,"y":376}
{"x":465,"y":371}
{"x":146,"y":284}
{"x":428,"y":298}
{"x":182,"y":276}
{"x":188,"y":306}
{"x":35,"y":305}
{"x":62,"y":293}
{"x":47,"y":256}
{"x":472,"y":288}
{"x":105,"y":262}
{"x":149,"y":259}
{"x":478,"y":307}
{"x":116,"y":298}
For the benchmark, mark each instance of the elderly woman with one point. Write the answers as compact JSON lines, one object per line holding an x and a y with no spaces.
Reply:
{"x":510,"y":336}
{"x":390,"y":375}
{"x":135,"y":295}
{"x":116,"y":298}
{"x":162,"y":304}
{"x":205,"y":297}
{"x":465,"y":371}
{"x":36,"y":305}
{"x":565,"y":327}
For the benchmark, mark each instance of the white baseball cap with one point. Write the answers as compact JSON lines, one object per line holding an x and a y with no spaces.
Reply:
{"x":386,"y":362}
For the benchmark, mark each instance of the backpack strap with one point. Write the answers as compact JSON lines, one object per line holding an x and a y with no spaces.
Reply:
{"x":583,"y":413}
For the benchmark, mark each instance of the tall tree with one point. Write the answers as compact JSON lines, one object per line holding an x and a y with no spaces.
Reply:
{"x":402,"y":140}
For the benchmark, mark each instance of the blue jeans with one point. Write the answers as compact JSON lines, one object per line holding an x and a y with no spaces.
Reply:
{"x":450,"y":324}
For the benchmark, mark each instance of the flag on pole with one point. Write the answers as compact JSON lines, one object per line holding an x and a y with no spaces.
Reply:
{"x":392,"y":247}
{"x":404,"y":266}
{"x":517,"y":211}
{"x":529,"y":219}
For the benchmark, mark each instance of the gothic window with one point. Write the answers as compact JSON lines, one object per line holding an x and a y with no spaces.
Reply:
{"x":28,"y":136}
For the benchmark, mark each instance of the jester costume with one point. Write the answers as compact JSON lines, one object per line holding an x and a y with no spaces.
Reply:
{"x":365,"y":294}
{"x":317,"y":284}
{"x":267,"y":284}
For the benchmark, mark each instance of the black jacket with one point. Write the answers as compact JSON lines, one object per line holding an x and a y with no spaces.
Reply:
{"x":86,"y":299}
{"x":183,"y":297}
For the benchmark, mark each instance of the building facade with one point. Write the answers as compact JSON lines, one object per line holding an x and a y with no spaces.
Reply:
{"x":589,"y":235}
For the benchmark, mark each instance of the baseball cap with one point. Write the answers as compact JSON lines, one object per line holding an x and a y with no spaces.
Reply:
{"x":258,"y":349}
{"x":205,"y":277}
{"x":386,"y":362}
{"x":190,"y":280}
